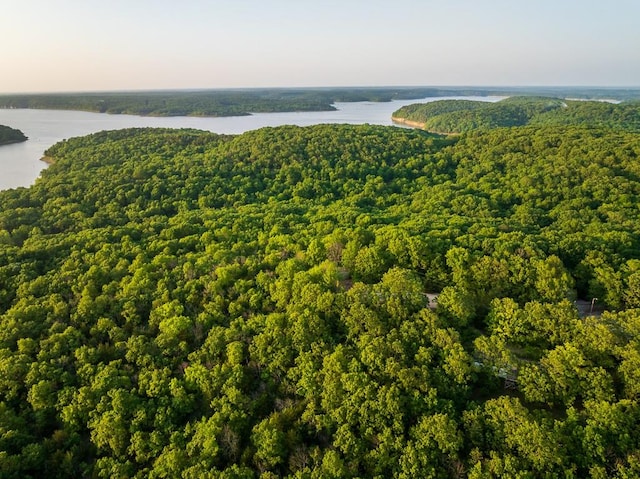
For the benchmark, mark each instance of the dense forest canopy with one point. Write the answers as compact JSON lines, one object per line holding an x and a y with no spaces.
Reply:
{"x":10,"y":135}
{"x":231,"y":102}
{"x":458,"y":116}
{"x":176,"y":303}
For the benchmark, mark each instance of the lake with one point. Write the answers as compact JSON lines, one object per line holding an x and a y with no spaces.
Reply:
{"x":20,"y":163}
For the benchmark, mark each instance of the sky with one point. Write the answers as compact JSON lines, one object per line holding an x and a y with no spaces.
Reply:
{"x":97,"y":45}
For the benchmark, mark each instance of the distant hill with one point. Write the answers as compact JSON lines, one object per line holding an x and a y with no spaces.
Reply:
{"x":459,"y":116}
{"x":10,"y":135}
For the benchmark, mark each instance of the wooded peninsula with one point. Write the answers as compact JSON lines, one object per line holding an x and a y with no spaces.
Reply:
{"x":177,"y":303}
{"x":459,"y":116}
{"x":10,"y":135}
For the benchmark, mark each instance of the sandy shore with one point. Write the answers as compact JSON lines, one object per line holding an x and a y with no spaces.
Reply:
{"x":419,"y":125}
{"x":404,"y":121}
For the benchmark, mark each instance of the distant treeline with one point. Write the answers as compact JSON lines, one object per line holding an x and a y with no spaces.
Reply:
{"x":234,"y":102}
{"x":10,"y":135}
{"x":459,"y":116}
{"x":212,"y":102}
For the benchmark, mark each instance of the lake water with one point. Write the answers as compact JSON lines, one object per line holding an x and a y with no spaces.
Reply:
{"x":20,"y":163}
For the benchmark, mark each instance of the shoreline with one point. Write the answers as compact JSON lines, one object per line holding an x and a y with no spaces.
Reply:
{"x":411,"y":123}
{"x":419,"y":125}
{"x":49,"y":160}
{"x":12,"y":142}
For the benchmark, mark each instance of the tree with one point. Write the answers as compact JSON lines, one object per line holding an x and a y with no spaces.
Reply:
{"x":433,"y":449}
{"x":553,"y":282}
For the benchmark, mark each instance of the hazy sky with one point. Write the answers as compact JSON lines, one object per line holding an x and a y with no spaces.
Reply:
{"x":76,"y":45}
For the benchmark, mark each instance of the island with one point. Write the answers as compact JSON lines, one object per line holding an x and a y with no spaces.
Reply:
{"x":10,"y":135}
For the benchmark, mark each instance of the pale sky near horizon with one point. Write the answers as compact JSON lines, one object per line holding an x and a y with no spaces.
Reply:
{"x":91,"y":45}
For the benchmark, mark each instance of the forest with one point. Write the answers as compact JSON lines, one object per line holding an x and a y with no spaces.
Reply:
{"x":459,"y":116}
{"x":177,"y":303}
{"x":10,"y":135}
{"x":238,"y":102}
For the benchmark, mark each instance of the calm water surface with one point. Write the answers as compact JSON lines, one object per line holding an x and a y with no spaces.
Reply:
{"x":20,"y":163}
